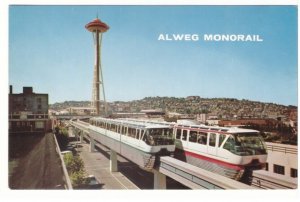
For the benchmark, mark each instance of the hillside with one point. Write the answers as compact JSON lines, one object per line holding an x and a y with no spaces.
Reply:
{"x":222,"y":107}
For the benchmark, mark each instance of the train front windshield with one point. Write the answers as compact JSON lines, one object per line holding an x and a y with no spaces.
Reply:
{"x":159,"y":136}
{"x":246,"y":144}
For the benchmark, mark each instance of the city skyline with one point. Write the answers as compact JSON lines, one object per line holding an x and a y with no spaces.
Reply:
{"x":50,"y":50}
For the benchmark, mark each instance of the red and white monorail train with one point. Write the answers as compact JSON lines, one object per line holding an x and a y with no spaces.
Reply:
{"x":232,"y":152}
{"x":229,"y":151}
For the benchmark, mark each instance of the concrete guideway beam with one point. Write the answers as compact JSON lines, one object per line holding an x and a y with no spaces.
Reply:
{"x":195,"y":177}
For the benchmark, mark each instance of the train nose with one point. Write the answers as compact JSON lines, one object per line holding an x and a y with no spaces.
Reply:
{"x":163,"y":152}
{"x":256,"y":165}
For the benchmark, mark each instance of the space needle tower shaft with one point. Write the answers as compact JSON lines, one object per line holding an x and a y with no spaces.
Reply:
{"x":97,"y":28}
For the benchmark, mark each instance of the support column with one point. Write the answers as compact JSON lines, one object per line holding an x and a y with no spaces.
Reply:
{"x":160,"y":180}
{"x":71,"y":131}
{"x":92,"y":145}
{"x":81,"y":137}
{"x":113,"y":161}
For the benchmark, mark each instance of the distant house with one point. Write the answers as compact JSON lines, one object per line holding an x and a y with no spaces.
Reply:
{"x":80,"y":110}
{"x":28,"y":112}
{"x":260,"y":122}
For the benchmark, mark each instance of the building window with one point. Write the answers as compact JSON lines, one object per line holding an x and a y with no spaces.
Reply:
{"x":267,"y":167}
{"x":294,"y":173}
{"x":39,"y":124}
{"x":279,"y":169}
{"x":39,"y":100}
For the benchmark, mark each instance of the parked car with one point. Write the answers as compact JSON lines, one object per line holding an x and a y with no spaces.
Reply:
{"x":92,"y":182}
{"x":65,"y":152}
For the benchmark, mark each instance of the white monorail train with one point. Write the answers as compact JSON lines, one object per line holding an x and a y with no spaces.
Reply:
{"x":229,"y":151}
{"x":140,"y":142}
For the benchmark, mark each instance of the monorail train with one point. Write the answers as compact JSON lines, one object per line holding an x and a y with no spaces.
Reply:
{"x":140,"y":142}
{"x":229,"y":151}
{"x":232,"y":152}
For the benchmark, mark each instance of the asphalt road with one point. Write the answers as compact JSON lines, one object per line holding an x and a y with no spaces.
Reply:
{"x":34,"y":163}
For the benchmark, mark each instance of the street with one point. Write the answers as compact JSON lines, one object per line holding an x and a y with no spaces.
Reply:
{"x":129,"y":175}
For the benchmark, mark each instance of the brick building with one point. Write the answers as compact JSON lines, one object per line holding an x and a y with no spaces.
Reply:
{"x":28,"y":112}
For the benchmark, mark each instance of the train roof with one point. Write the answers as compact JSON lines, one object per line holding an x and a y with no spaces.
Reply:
{"x":132,"y":123}
{"x":219,"y":128}
{"x":201,"y":126}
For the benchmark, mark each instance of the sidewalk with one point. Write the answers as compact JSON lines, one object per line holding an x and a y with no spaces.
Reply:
{"x":97,"y":163}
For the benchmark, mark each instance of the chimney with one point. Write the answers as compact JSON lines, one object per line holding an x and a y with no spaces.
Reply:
{"x":10,"y":89}
{"x":27,"y":90}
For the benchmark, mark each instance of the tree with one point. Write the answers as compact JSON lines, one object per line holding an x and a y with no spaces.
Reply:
{"x":78,"y":179}
{"x":73,"y":163}
{"x":76,"y":170}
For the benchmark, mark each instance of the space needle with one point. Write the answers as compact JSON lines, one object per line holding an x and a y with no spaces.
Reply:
{"x":97,"y":27}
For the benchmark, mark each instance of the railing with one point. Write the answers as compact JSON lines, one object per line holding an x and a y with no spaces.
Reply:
{"x":68,"y":181}
{"x":264,"y":183}
{"x":81,"y":125}
{"x":283,"y":149}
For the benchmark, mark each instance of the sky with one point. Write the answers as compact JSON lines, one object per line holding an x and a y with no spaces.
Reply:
{"x":50,"y":50}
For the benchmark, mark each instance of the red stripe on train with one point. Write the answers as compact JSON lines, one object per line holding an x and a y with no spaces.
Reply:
{"x":222,"y":163}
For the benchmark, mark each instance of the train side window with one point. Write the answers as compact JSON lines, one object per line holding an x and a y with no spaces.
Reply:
{"x":193,"y":136}
{"x":131,"y":132}
{"x":229,"y":144}
{"x":137,"y":134}
{"x":178,"y":133}
{"x":112,"y":126}
{"x":212,"y":139}
{"x":184,"y":135}
{"x":124,"y":130}
{"x":134,"y":133}
{"x":221,"y":139}
{"x":202,"y":138}
{"x":142,"y":134}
